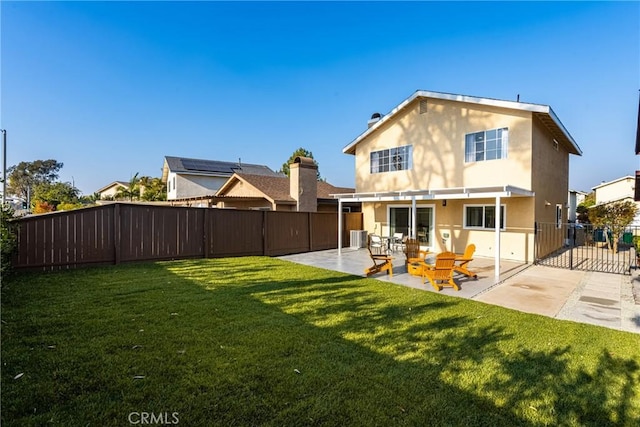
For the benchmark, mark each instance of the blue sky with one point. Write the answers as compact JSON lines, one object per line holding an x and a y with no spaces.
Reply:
{"x":110,"y":88}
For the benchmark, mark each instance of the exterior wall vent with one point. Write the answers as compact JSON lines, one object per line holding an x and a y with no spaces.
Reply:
{"x":424,"y":107}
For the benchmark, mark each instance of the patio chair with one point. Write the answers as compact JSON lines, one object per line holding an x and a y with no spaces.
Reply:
{"x":462,"y":261}
{"x":441,"y":274}
{"x":397,"y":241}
{"x":381,"y":262}
{"x":413,"y":252}
{"x":376,"y":245}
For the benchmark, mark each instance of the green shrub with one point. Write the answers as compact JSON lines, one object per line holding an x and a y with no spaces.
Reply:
{"x":8,"y":239}
{"x":636,"y":244}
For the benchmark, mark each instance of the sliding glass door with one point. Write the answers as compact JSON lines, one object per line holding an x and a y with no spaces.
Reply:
{"x":400,"y":222}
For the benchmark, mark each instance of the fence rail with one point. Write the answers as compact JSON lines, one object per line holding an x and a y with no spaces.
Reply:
{"x":121,"y":232}
{"x":585,"y":247}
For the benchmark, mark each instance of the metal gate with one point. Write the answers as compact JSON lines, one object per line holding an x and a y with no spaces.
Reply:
{"x":585,"y":247}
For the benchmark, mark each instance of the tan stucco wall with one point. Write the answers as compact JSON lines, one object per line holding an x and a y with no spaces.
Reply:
{"x":615,"y":190}
{"x":517,"y":240}
{"x":243,"y":189}
{"x":551,"y":175}
{"x":438,"y":140}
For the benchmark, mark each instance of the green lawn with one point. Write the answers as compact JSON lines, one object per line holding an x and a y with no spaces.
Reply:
{"x":260,"y":341}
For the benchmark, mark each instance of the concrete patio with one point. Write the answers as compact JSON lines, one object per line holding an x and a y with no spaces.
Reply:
{"x":602,"y":299}
{"x":354,"y":261}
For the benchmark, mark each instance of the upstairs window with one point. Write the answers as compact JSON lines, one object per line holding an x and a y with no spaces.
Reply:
{"x":393,"y":159}
{"x":486,"y":145}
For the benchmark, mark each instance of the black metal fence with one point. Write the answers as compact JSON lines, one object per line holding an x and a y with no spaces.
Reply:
{"x":585,"y":247}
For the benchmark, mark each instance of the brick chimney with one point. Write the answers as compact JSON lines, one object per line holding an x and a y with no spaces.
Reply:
{"x":303,"y":184}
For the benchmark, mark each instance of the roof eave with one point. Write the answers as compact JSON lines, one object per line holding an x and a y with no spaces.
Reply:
{"x":523,"y":106}
{"x":574,"y":145}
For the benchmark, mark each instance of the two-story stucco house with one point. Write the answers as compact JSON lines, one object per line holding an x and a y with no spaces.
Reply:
{"x":453,"y":170}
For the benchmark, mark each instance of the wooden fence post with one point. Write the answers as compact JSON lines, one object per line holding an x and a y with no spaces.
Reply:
{"x":264,"y":233}
{"x":205,"y":233}
{"x":310,"y":228}
{"x":117,"y":238}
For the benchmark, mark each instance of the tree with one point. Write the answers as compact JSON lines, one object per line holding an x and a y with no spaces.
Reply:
{"x":153,"y":189}
{"x":90,"y":199}
{"x":55,"y":193}
{"x":132,"y":191}
{"x":583,"y":208}
{"x":23,"y":177}
{"x":43,"y":207}
{"x":614,"y":216}
{"x":8,"y":239}
{"x":300,"y":152}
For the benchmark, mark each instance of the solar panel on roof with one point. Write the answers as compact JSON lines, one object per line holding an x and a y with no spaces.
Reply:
{"x":207,"y":166}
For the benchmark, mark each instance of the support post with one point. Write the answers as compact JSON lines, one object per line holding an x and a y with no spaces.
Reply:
{"x":414,"y":214}
{"x":497,"y":241}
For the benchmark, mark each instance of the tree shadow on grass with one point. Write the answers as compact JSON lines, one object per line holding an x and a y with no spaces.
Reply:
{"x":547,"y":382}
{"x":439,"y":336}
{"x":274,"y":344}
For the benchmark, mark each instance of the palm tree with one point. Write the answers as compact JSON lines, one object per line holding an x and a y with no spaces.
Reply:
{"x":152,"y":189}
{"x":132,"y":191}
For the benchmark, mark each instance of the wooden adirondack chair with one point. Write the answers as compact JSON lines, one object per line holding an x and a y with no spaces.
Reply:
{"x":441,"y":274}
{"x":381,"y":262}
{"x":462,"y":261}
{"x":413,"y":252}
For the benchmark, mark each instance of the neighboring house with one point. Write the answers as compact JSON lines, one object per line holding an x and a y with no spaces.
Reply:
{"x":438,"y":165}
{"x":299,"y":192}
{"x":576,"y":197}
{"x":192,"y":179}
{"x":618,"y":190}
{"x":613,"y":191}
{"x":110,"y":191}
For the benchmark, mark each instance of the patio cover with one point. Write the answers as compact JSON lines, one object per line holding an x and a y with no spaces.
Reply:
{"x":496,"y":193}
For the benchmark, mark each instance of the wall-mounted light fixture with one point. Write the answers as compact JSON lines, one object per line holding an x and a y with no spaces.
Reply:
{"x":444,"y":202}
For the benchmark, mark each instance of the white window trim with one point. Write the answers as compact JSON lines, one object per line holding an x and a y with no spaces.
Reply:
{"x":559,"y":220}
{"x":483,"y":205}
{"x":505,"y":147}
{"x":409,"y":160}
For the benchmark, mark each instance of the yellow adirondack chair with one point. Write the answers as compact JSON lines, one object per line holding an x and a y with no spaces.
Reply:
{"x":414,"y":256}
{"x":441,"y":274}
{"x":462,"y":261}
{"x":381,"y":262}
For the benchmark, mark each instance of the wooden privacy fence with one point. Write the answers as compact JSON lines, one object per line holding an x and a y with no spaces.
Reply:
{"x":122,"y":232}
